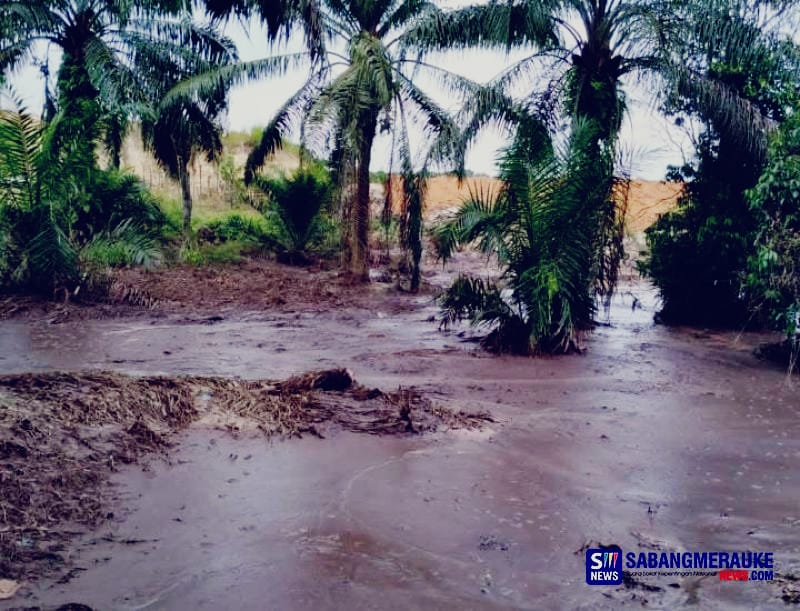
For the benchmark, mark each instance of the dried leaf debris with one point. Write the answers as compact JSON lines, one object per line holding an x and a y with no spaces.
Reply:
{"x":62,"y":434}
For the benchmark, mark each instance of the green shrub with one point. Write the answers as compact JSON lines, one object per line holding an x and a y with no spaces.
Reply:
{"x":326,"y":240}
{"x":227,"y":252}
{"x":773,"y":270}
{"x":114,"y":197}
{"x":233,"y":227}
{"x":191,"y":255}
{"x":172,"y":209}
{"x":199,"y":254}
{"x":126,"y":245}
{"x":295,"y":205}
{"x":60,"y":215}
{"x":697,"y":254}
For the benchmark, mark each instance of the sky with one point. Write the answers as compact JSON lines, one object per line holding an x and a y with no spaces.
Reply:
{"x":649,"y":142}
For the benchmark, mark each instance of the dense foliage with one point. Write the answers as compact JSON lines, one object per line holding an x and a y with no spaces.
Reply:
{"x":555,"y":227}
{"x":736,"y":46}
{"x":363,"y":59}
{"x":63,"y":218}
{"x":773,"y":278}
{"x":58,"y":210}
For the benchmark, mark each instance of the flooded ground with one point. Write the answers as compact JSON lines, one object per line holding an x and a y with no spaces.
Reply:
{"x":656,"y":439}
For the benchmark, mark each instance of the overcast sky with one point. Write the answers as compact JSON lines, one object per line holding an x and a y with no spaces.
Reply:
{"x":648,"y":140}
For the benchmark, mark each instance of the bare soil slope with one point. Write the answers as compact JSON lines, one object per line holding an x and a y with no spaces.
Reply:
{"x":647,"y":199}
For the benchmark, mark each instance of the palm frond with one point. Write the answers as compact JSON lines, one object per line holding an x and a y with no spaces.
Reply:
{"x":478,"y":219}
{"x":126,"y":244}
{"x":50,"y":259}
{"x":728,"y":111}
{"x":404,"y":13}
{"x":235,"y":74}
{"x":493,"y":25}
{"x":294,"y":109}
{"x":20,"y":149}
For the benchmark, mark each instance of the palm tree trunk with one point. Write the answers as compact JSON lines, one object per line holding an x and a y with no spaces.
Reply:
{"x":186,"y":191}
{"x":359,"y":260}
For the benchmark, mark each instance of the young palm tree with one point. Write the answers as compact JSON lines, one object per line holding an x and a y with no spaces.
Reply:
{"x":178,"y":130}
{"x":547,"y":229}
{"x":35,"y":185}
{"x":361,"y":82}
{"x":44,"y":238}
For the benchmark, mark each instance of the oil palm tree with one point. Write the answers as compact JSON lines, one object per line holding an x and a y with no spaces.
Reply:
{"x":35,"y":185}
{"x":582,"y":51}
{"x":44,"y":238}
{"x":361,"y":82}
{"x":108,"y":47}
{"x":547,"y":229}
{"x":556,"y":226}
{"x":179,"y":129}
{"x":176,"y":136}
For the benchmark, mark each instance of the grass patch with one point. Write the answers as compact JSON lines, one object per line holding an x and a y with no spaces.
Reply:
{"x":204,"y":212}
{"x":202,"y":254}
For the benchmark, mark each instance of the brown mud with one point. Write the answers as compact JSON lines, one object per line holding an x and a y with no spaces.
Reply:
{"x":202,"y":293}
{"x":656,"y":438}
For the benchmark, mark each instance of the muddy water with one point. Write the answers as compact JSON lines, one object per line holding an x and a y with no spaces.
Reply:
{"x":656,"y":439}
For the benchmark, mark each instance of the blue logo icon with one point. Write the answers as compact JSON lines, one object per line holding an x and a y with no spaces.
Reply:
{"x":604,"y":566}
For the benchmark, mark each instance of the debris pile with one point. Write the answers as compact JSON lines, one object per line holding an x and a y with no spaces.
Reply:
{"x":62,"y":434}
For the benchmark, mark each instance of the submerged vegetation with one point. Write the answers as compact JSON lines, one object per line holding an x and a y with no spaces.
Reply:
{"x":553,"y":283}
{"x":728,"y":67}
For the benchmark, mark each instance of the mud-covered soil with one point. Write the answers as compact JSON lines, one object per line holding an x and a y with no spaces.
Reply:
{"x":63,"y":434}
{"x":252,"y":285}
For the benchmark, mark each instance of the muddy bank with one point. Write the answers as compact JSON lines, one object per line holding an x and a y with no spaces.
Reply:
{"x":63,"y":434}
{"x":209,"y":292}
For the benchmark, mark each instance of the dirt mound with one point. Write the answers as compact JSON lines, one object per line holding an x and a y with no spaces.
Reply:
{"x":647,"y":200}
{"x":63,"y":434}
{"x":258,"y":284}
